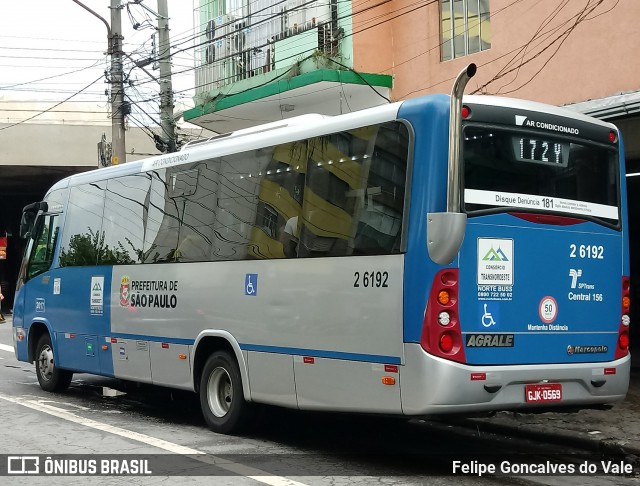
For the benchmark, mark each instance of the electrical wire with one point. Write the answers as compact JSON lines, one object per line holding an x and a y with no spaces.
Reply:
{"x":54,"y":76}
{"x":54,"y":106}
{"x":522,"y":49}
{"x":421,"y":4}
{"x":495,"y":59}
{"x":48,"y":49}
{"x":560,"y":39}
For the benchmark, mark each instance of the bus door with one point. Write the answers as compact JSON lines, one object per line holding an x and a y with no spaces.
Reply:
{"x":37,"y":285}
{"x":53,"y":296}
{"x":541,"y":265}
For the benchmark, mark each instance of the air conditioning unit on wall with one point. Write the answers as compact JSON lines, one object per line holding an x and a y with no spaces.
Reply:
{"x":217,"y":33}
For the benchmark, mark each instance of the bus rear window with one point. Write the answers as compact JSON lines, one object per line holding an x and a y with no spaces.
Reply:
{"x":506,"y":169}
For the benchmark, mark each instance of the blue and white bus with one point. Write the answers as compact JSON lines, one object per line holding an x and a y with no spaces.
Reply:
{"x":435,"y":255}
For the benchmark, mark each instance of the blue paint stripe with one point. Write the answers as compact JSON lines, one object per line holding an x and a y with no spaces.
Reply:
{"x":369,"y":358}
{"x":155,"y":339}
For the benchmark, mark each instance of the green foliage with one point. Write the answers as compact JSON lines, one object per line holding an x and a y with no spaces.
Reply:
{"x":89,"y":249}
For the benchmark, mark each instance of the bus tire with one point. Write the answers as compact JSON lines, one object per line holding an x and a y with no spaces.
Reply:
{"x":223,"y":405}
{"x":51,"y":379}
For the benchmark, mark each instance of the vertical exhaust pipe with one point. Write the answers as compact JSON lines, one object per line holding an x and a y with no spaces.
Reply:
{"x":445,"y":231}
{"x":453,"y":180}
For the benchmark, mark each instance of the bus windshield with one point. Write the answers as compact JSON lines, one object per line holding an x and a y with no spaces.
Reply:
{"x":505,"y":169}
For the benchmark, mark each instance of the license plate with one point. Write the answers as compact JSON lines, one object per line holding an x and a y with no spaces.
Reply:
{"x":543,"y":393}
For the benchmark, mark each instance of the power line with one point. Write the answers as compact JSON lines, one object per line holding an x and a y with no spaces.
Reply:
{"x":51,"y":111}
{"x":54,"y":76}
{"x":49,"y":39}
{"x":39,"y":66}
{"x":361,"y":77}
{"x":487,"y":62}
{"x":57,"y":91}
{"x":579,"y":18}
{"x":98,"y":122}
{"x":421,"y":4}
{"x":312,"y":50}
{"x":48,"y":49}
{"x":549,"y":18}
{"x":54,"y":106}
{"x":52,"y":58}
{"x":97,"y":102}
{"x":521,"y":49}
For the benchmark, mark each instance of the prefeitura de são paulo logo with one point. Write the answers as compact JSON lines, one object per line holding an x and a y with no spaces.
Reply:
{"x":124,"y":291}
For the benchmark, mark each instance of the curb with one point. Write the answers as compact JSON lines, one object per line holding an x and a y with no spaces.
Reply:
{"x":604,"y":446}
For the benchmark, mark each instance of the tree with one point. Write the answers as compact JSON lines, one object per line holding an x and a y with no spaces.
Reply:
{"x":89,"y":249}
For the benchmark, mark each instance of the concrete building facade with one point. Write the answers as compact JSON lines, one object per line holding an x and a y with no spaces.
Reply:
{"x":269,"y":60}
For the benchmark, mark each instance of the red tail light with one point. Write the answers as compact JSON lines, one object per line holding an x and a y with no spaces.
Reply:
{"x":446,"y":342}
{"x":623,"y":341}
{"x":441,"y":335}
{"x":622,"y":349}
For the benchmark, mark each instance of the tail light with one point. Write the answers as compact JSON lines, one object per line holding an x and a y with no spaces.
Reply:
{"x":441,"y":335}
{"x":622,"y":348}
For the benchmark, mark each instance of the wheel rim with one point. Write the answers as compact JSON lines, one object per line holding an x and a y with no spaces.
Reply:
{"x":45,"y":362}
{"x":220,"y":392}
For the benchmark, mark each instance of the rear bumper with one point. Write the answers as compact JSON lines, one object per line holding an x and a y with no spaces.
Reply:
{"x":431,"y":385}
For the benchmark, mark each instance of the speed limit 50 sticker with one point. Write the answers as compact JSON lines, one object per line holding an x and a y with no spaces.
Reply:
{"x":548,"y":309}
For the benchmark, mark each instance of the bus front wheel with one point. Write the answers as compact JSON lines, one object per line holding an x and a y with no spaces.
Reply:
{"x":223,"y":405}
{"x":51,"y":379}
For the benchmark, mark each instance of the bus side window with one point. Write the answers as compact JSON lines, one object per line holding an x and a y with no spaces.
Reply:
{"x":43,"y":246}
{"x":355,"y":192}
{"x":379,"y":225}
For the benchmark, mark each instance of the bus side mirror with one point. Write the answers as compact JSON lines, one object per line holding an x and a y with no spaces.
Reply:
{"x":26,"y":224}
{"x":28,"y":219}
{"x":445,"y":232}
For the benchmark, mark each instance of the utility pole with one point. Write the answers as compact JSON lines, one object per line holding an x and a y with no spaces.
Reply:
{"x":167,"y":122}
{"x":167,"y":139}
{"x":118,"y":106}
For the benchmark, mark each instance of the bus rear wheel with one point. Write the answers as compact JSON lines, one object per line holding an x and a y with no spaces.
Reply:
{"x":51,"y":379}
{"x":223,"y":405}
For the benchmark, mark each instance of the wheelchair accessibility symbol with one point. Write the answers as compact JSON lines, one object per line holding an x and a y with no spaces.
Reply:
{"x":488,"y":316}
{"x":251,"y":284}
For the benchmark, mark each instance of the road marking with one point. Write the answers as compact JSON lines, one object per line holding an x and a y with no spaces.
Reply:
{"x":236,"y":468}
{"x":4,"y":347}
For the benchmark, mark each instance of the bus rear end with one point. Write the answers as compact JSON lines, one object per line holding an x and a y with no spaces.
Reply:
{"x":534,"y":310}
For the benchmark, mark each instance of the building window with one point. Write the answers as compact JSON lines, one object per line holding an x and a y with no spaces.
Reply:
{"x":465,"y":27}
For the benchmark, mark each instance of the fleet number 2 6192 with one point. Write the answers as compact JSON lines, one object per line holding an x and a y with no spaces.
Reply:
{"x":593,"y":252}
